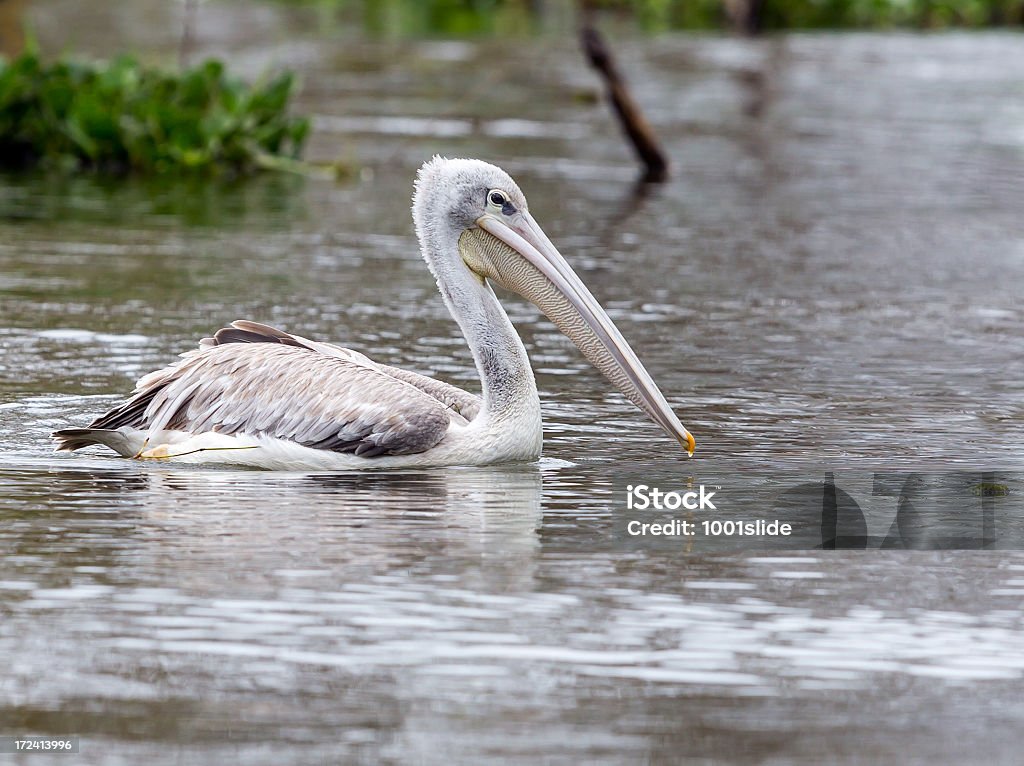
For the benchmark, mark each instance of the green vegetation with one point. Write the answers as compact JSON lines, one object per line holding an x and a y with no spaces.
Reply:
{"x":503,"y":17}
{"x":828,"y":14}
{"x":121,"y":116}
{"x":990,"y":489}
{"x":416,"y":18}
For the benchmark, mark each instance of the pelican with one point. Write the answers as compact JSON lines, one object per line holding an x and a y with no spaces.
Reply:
{"x":257,"y":396}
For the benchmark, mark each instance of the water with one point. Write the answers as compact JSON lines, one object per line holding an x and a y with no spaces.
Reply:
{"x":829,"y":284}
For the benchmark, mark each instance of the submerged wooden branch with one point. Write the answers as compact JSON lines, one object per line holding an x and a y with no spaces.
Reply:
{"x":188,"y":21}
{"x":746,"y":16}
{"x":637,"y":129}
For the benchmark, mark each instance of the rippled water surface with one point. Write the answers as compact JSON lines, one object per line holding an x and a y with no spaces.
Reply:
{"x":830,"y":283}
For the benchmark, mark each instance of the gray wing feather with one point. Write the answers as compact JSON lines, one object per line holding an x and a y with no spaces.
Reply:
{"x":254,"y":379}
{"x":466,"y":404}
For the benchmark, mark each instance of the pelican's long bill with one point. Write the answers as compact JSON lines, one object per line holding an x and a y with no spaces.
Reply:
{"x":520,"y":257}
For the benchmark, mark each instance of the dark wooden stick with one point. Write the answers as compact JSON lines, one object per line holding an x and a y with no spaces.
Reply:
{"x":187,"y":24}
{"x":637,"y":129}
{"x":747,"y":16}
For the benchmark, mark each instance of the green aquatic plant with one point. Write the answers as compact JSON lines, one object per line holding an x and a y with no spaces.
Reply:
{"x":122,"y":116}
{"x":504,"y":17}
{"x":990,"y":489}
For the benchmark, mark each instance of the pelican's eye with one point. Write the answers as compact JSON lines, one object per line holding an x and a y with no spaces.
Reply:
{"x":500,"y":200}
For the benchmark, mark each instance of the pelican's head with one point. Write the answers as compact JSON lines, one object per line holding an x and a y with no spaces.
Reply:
{"x":484,"y":211}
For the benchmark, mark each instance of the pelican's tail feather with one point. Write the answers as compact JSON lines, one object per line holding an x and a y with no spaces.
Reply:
{"x":70,"y":439}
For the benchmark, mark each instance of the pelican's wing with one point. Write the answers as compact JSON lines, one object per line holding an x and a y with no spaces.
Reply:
{"x":466,"y":404}
{"x":243,"y":331}
{"x":245,"y":380}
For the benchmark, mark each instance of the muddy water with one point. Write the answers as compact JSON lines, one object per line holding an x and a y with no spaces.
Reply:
{"x":829,"y":286}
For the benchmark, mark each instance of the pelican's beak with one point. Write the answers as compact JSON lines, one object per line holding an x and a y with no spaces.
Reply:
{"x":524,"y":260}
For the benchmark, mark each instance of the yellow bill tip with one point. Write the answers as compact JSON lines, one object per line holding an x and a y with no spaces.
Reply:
{"x":689,"y":444}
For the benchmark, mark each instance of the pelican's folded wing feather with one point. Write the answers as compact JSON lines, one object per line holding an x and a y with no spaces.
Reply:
{"x":466,"y":404}
{"x":243,"y":331}
{"x":286,"y":389}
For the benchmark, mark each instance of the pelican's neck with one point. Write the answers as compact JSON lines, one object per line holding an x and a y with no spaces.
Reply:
{"x":507,"y":379}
